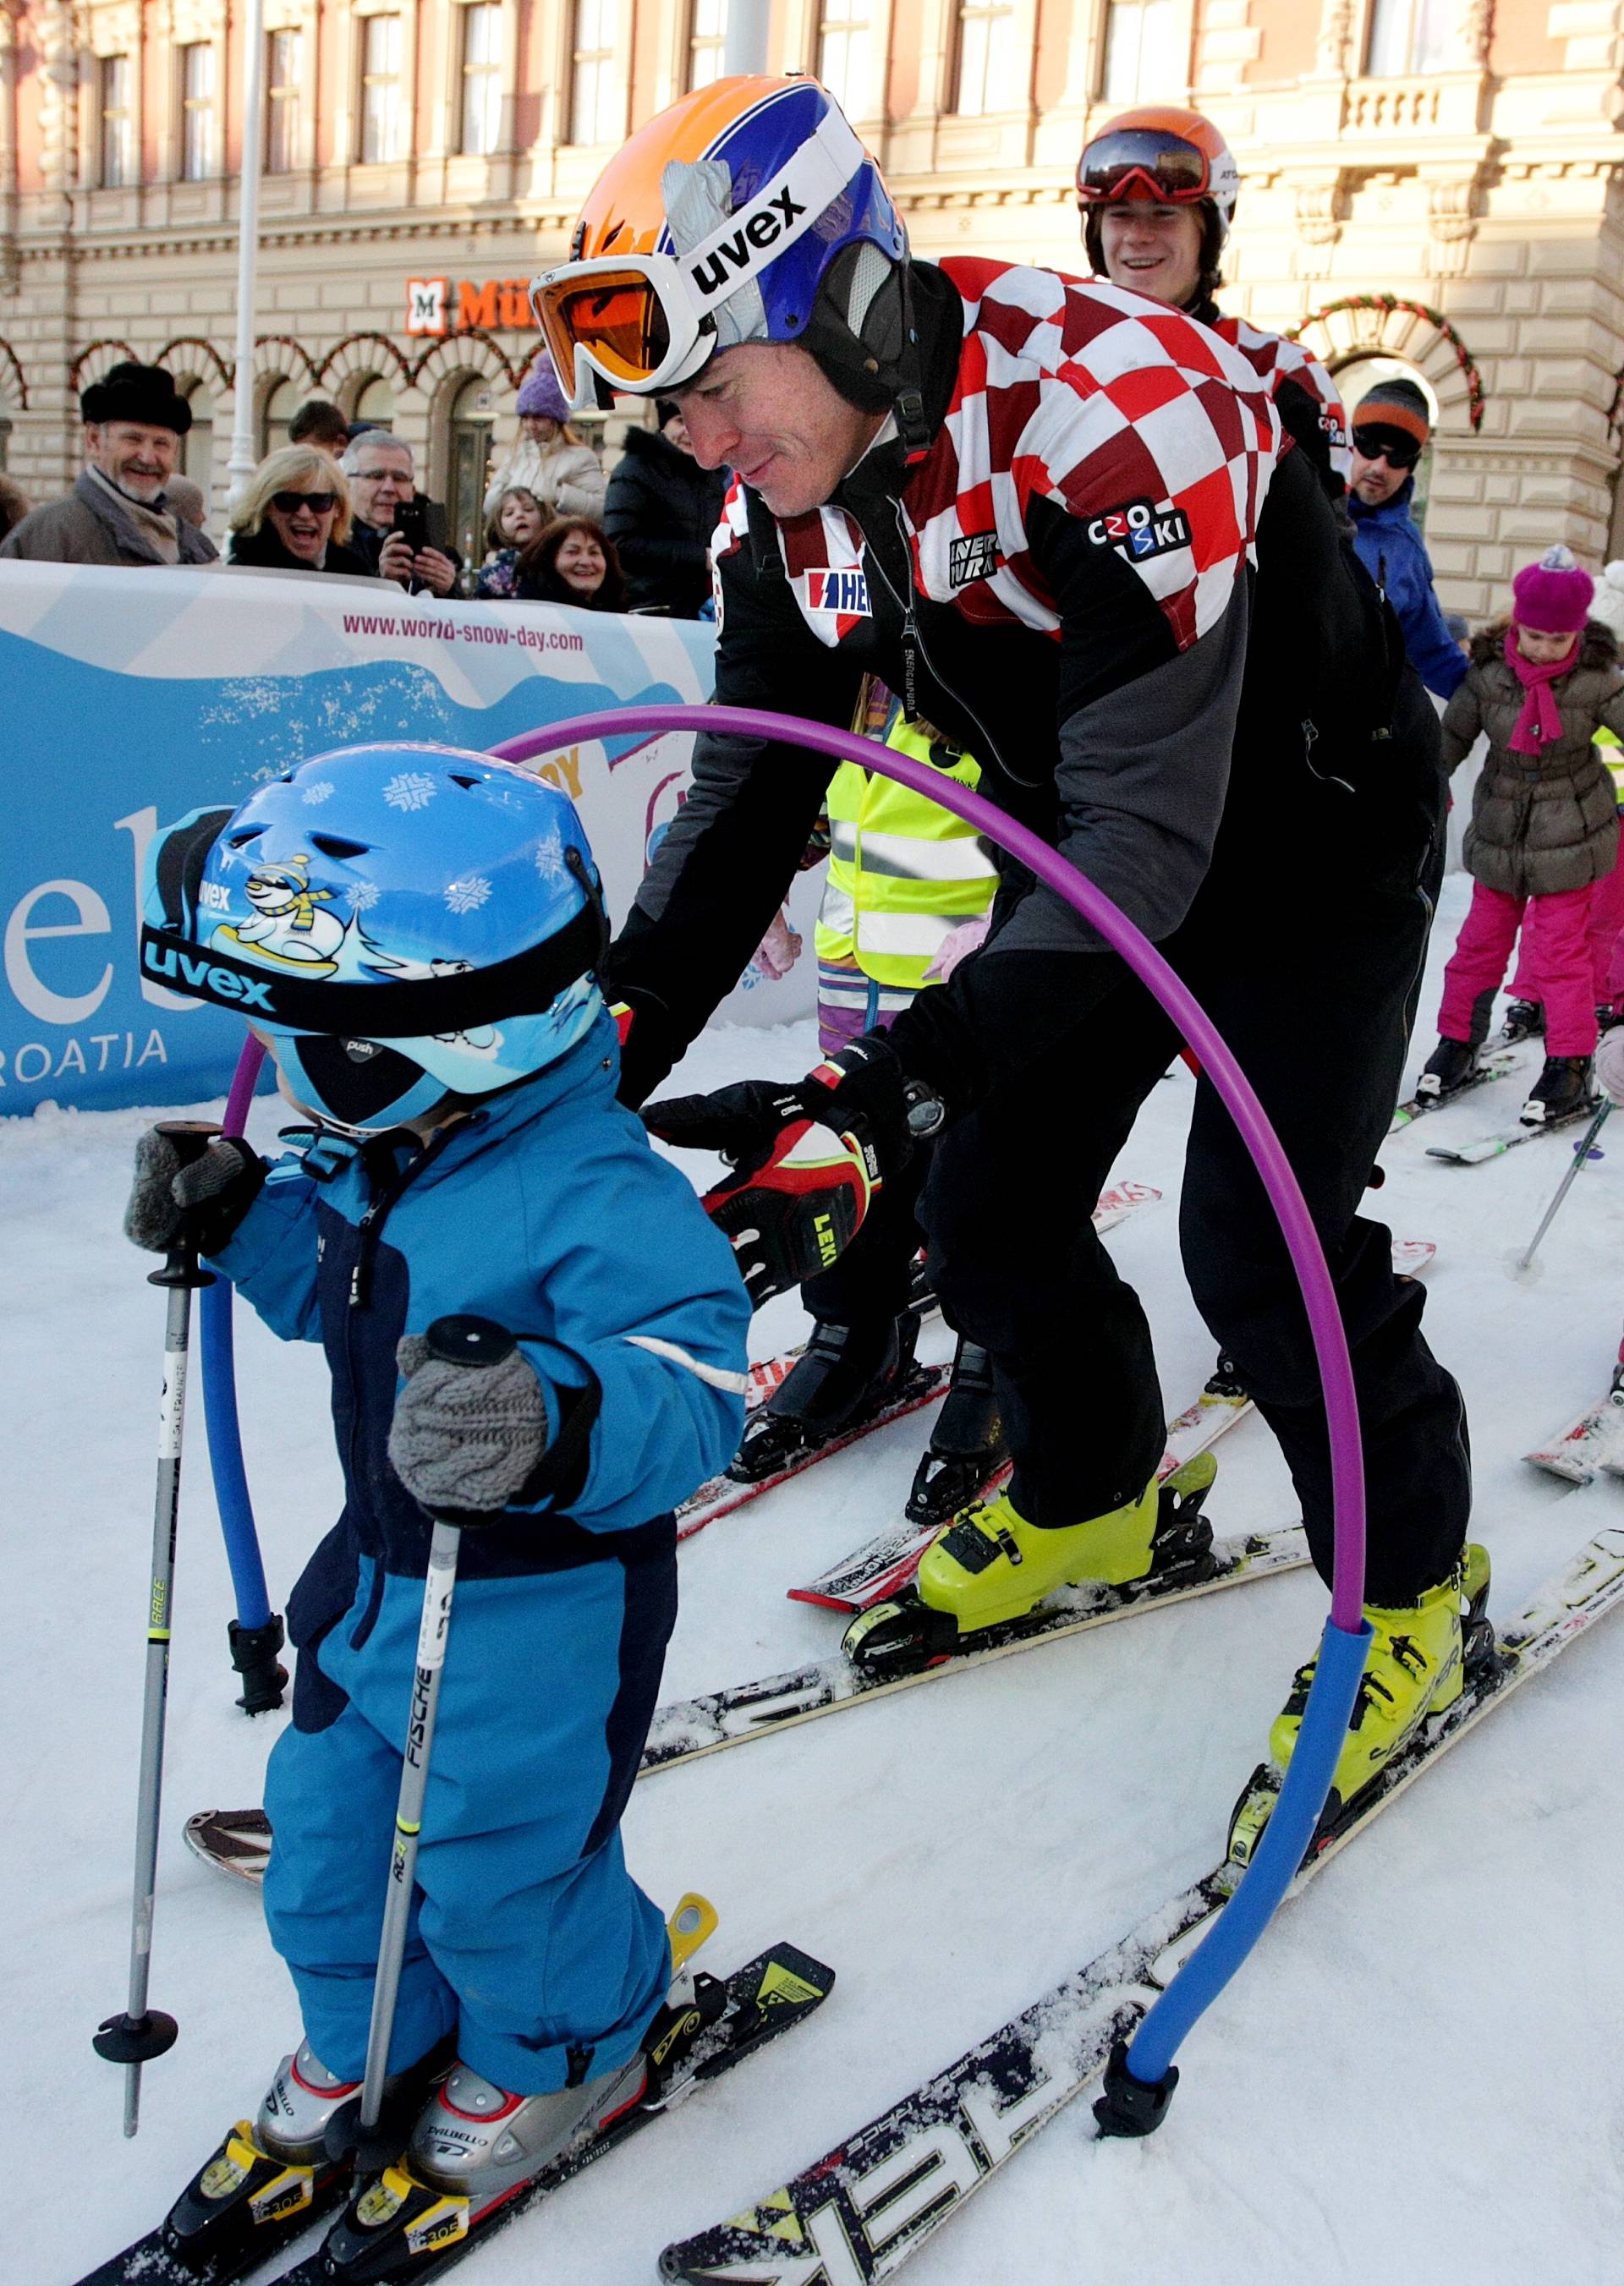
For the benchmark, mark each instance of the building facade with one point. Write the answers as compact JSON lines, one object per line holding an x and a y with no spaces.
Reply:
{"x":1429,"y":186}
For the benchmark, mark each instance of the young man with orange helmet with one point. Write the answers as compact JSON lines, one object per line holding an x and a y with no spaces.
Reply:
{"x":1031,"y":506}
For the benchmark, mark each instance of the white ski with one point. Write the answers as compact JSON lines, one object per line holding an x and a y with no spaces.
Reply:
{"x":1592,"y":1441}
{"x":857,"y":2213}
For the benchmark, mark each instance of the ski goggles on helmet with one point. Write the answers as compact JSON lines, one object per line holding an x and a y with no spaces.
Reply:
{"x":1144,"y":162}
{"x":644,"y":324}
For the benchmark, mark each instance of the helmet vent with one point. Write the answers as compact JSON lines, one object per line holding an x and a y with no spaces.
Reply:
{"x":870,"y":272}
{"x":241,"y":840}
{"x":331,"y":845}
{"x":457,"y":778}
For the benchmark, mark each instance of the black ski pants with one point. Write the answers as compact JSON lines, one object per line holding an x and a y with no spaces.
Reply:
{"x":1314,"y":990}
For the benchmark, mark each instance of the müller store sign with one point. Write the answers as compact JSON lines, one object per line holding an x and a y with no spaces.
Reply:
{"x":445,"y":305}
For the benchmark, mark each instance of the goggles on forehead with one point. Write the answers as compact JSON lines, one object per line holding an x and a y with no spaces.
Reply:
{"x":646,"y":323}
{"x":1144,"y":162}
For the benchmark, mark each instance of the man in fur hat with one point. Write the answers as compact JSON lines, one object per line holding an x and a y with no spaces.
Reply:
{"x":119,"y":511}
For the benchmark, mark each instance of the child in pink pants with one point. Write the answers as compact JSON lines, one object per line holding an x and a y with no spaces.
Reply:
{"x":1544,"y":827}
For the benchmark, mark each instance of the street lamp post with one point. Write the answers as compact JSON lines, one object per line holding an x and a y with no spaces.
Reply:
{"x":243,"y":455}
{"x":746,"y":48}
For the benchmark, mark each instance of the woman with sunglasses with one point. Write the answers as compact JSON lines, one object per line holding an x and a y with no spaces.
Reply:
{"x":294,"y":517}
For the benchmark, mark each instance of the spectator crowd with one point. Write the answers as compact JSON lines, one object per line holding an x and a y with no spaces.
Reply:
{"x":341,"y":497}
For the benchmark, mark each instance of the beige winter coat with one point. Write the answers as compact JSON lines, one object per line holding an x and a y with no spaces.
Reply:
{"x":1539,"y":823}
{"x":567,"y":479}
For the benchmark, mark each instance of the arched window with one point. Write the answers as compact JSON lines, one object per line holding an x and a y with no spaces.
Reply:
{"x":473,"y":410}
{"x":282,"y":402}
{"x":196,"y":455}
{"x":372,"y":398}
{"x":1357,"y":377}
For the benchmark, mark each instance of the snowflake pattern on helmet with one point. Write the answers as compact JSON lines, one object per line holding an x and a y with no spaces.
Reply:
{"x":321,"y":790}
{"x":467,"y":896}
{"x":551,"y":861}
{"x":410,"y":790}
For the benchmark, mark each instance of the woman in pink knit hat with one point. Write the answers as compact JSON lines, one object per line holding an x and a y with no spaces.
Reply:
{"x":1544,"y":827}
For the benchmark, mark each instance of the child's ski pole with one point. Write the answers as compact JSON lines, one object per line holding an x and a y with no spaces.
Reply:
{"x":142,"y":2033}
{"x":459,"y":1341}
{"x":1581,"y":1156}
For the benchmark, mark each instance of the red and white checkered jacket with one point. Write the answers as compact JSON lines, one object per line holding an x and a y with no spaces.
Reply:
{"x":1149,"y":429}
{"x":1282,"y":362}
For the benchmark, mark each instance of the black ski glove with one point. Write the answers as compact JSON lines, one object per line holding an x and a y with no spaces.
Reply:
{"x":467,"y":1438}
{"x":202,"y":1195}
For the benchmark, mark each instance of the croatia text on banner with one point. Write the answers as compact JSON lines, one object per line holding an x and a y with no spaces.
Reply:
{"x":131,"y":696}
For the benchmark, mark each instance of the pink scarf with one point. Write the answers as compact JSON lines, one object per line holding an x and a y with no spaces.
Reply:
{"x":1539,"y":721}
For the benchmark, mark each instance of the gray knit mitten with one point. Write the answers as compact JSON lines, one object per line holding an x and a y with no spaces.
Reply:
{"x":207,"y":1195}
{"x":465,"y":1436}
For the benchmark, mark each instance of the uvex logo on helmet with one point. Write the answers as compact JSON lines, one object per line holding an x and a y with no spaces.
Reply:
{"x":741,"y":252}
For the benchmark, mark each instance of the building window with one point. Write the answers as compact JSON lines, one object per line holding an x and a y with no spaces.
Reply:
{"x":843,"y":52}
{"x":277,"y":410}
{"x":1408,"y":36}
{"x":198,"y":144}
{"x":707,"y":40}
{"x":990,"y":60}
{"x":284,"y":69}
{"x":375,"y":400}
{"x":1144,"y":59}
{"x":480,"y":131}
{"x":115,"y":166}
{"x":598,"y":108}
{"x":471,"y":429}
{"x":383,"y":96}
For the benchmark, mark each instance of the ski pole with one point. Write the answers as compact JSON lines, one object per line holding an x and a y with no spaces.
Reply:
{"x":1582,"y":1155}
{"x":461,"y":1341}
{"x":142,"y":2033}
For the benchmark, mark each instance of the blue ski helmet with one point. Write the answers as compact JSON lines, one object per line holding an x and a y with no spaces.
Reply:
{"x":405,"y":921}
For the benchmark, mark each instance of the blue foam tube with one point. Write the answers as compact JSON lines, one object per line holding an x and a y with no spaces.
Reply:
{"x":231,"y":1484}
{"x":1280,"y":1853}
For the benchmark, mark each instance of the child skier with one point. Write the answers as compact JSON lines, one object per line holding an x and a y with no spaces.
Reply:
{"x":469,"y":1157}
{"x":1544,"y":827}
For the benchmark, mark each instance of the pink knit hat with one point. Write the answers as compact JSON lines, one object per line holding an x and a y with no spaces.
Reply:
{"x":1553,"y":595}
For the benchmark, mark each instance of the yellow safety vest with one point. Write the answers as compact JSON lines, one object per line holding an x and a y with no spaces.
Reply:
{"x":903,"y":871}
{"x":1612,"y":754}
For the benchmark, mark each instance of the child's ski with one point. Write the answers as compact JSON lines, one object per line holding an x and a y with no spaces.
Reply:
{"x":1594,"y":1440}
{"x":857,"y":2213}
{"x":1495,"y":1146}
{"x":769,"y":1996}
{"x":724,"y":1494}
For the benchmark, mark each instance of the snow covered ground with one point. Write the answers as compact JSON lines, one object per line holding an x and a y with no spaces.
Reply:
{"x":1422,"y":2070}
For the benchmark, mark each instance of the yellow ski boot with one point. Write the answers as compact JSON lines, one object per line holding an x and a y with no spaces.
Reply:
{"x":988,"y":1570}
{"x":1417,"y":1669}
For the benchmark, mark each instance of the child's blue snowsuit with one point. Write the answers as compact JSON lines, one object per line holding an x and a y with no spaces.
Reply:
{"x":549,"y":1212}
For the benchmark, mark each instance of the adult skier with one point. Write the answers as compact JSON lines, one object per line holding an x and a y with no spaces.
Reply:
{"x":1030,"y":504}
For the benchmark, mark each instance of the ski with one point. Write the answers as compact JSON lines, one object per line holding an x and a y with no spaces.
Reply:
{"x":689,"y":1727}
{"x":720,"y":1495}
{"x":1586,"y":1443}
{"x":235,"y":1841}
{"x":1499,"y":1063}
{"x":857,"y":2213}
{"x":1495,"y":1146}
{"x":884,"y":1565}
{"x":769,"y":1996}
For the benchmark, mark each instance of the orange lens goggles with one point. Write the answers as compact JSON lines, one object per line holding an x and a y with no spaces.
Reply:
{"x":616,"y":317}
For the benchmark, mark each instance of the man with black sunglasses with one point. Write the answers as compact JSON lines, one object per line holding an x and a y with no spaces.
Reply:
{"x":1390,"y":431}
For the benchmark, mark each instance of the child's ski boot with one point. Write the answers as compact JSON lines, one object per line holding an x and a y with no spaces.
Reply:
{"x":1416,"y":1668}
{"x":1524,"y":1020}
{"x":269,"y":2179}
{"x":1451,"y":1064}
{"x":1564,"y":1086}
{"x":967,"y":1445}
{"x":844,"y":1374}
